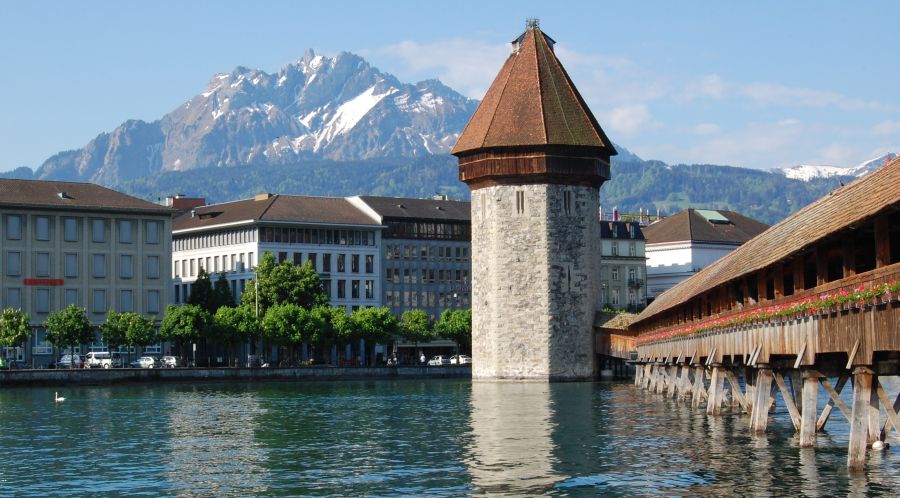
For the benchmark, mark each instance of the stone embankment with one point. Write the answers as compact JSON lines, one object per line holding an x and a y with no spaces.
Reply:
{"x":10,"y":378}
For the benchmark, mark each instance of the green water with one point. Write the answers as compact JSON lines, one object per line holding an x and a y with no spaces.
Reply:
{"x":407,"y":438}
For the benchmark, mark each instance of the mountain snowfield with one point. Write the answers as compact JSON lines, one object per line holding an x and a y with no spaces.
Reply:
{"x":338,"y":108}
{"x":807,"y":172}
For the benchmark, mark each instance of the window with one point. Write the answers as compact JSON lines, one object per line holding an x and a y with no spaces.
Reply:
{"x":72,"y":297}
{"x":153,"y":301}
{"x":354,"y":289}
{"x":340,"y":263}
{"x":177,"y":293}
{"x":153,"y":232}
{"x":99,"y":304}
{"x":152,"y":266}
{"x":520,"y":202}
{"x":342,"y":289}
{"x":567,"y":202}
{"x":14,"y":297}
{"x":615,"y":296}
{"x":632,"y":249}
{"x":312,"y":259}
{"x":126,"y":269}
{"x":326,"y":284}
{"x":370,"y":263}
{"x":42,"y":264}
{"x":249,"y":260}
{"x":615,"y":248}
{"x":126,"y":300}
{"x":354,"y":263}
{"x":615,"y":273}
{"x":42,"y":228}
{"x":14,"y":227}
{"x":13,"y":264}
{"x":282,"y":257}
{"x":370,"y":289}
{"x":98,"y":231}
{"x":99,"y":269}
{"x":326,"y":263}
{"x":193,"y":270}
{"x":125,"y":232}
{"x":631,"y":274}
{"x":70,"y":230}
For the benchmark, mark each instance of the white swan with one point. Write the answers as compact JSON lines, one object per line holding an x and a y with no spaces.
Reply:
{"x":57,"y":398}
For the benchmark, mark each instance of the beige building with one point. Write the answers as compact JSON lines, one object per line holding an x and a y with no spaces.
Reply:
{"x":623,"y":266}
{"x":67,"y":243}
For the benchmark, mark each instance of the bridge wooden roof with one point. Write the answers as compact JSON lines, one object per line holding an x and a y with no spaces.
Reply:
{"x":848,"y":205}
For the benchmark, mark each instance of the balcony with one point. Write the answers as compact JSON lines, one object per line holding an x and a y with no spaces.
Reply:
{"x":635,"y":283}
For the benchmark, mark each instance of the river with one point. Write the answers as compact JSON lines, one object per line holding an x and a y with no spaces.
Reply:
{"x":408,"y":438}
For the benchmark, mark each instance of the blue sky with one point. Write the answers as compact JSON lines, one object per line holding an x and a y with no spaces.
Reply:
{"x":754,"y":84}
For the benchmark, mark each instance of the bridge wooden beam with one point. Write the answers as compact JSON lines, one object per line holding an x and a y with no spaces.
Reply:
{"x":799,"y":272}
{"x":859,"y":419}
{"x":809,"y":409}
{"x":761,"y":288}
{"x":882,"y":241}
{"x":848,"y":256}
{"x":821,"y":264}
{"x":778,"y":278}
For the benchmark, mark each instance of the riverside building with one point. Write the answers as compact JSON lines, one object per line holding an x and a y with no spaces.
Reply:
{"x":425,"y":252}
{"x":681,"y":245}
{"x":68,"y":243}
{"x":623,"y":266}
{"x":342,"y":243}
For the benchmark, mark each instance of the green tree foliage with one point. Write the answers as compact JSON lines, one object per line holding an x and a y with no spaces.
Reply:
{"x":69,"y":327}
{"x":139,"y":330}
{"x":286,"y":282}
{"x":222,"y":293}
{"x":334,"y":329}
{"x":289,"y":325}
{"x":456,"y":325}
{"x":114,"y":330}
{"x":183,"y":324}
{"x":373,"y":324}
{"x":234,"y":325}
{"x":202,"y":292}
{"x":415,"y":326}
{"x":14,"y":328}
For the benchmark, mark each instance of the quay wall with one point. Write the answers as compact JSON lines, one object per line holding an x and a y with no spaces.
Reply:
{"x":10,"y":378}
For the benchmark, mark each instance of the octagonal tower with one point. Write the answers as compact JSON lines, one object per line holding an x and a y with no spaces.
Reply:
{"x":534,"y":158}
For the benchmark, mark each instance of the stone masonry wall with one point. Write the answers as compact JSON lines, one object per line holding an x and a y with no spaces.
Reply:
{"x":534,"y":283}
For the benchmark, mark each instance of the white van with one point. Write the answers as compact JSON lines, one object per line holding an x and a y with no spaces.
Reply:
{"x":103,"y":359}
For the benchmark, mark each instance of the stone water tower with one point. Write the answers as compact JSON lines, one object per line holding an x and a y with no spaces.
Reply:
{"x":534,"y":157}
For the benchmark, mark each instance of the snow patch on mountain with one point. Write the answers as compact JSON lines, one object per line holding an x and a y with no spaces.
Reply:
{"x":807,"y":172}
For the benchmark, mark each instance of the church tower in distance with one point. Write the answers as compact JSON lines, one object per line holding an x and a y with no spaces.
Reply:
{"x":534,"y":158}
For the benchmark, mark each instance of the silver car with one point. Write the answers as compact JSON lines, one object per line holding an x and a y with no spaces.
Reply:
{"x":144,"y":362}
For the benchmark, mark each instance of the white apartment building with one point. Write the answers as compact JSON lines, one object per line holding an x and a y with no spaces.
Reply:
{"x":341,"y":241}
{"x":76,"y":243}
{"x":683,"y":244}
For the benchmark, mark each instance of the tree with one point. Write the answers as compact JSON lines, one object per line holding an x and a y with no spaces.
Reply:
{"x":14,"y":328}
{"x":234,"y":325}
{"x":139,"y":330}
{"x":69,"y":327}
{"x":184,"y":324}
{"x":114,"y":330}
{"x":289,"y":325}
{"x":456,"y":326}
{"x":284,"y":283}
{"x":335,"y":325}
{"x":222,"y":295}
{"x":202,"y":292}
{"x":373,"y":324}
{"x":415,"y":326}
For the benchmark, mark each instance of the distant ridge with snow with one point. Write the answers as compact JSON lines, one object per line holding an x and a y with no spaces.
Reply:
{"x":338,"y":108}
{"x":807,"y":172}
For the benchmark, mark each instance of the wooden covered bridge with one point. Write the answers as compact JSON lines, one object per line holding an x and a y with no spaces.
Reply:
{"x":814,"y":298}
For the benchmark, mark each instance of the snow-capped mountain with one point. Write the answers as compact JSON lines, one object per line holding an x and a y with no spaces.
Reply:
{"x":318,"y":107}
{"x":807,"y":172}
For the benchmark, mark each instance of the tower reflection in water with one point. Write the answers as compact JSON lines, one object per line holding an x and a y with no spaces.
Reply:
{"x":515,"y":448}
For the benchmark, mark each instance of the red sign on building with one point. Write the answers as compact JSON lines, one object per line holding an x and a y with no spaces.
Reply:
{"x":44,"y":281}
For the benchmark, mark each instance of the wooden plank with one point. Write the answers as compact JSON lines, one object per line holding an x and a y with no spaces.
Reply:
{"x":736,"y":390}
{"x":808,"y":410}
{"x":788,"y":400}
{"x":848,"y":256}
{"x":892,"y":418}
{"x":882,"y":241}
{"x":859,"y":418}
{"x":714,"y":405}
{"x":800,"y":356}
{"x":835,"y":399}
{"x":852,"y":355}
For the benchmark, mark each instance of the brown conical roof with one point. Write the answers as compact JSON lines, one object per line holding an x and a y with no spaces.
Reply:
{"x":532,"y":102}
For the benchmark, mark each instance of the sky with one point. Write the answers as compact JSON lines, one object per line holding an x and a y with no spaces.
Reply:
{"x":754,"y":84}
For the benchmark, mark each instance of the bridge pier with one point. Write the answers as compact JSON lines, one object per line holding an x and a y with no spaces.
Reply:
{"x":716,"y":386}
{"x":859,"y":418}
{"x":809,"y":408}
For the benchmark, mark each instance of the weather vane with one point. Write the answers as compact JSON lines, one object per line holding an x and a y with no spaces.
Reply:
{"x":532,"y":22}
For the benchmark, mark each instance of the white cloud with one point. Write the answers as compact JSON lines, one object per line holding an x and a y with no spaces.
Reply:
{"x":888,"y":127}
{"x":467,"y":66}
{"x":705,"y":129}
{"x":628,"y":119}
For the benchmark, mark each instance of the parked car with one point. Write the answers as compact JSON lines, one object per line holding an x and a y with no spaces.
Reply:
{"x":68,"y":361}
{"x":438,"y":361}
{"x":170,"y":362}
{"x":103,"y":359}
{"x":144,"y":362}
{"x":460,"y":359}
